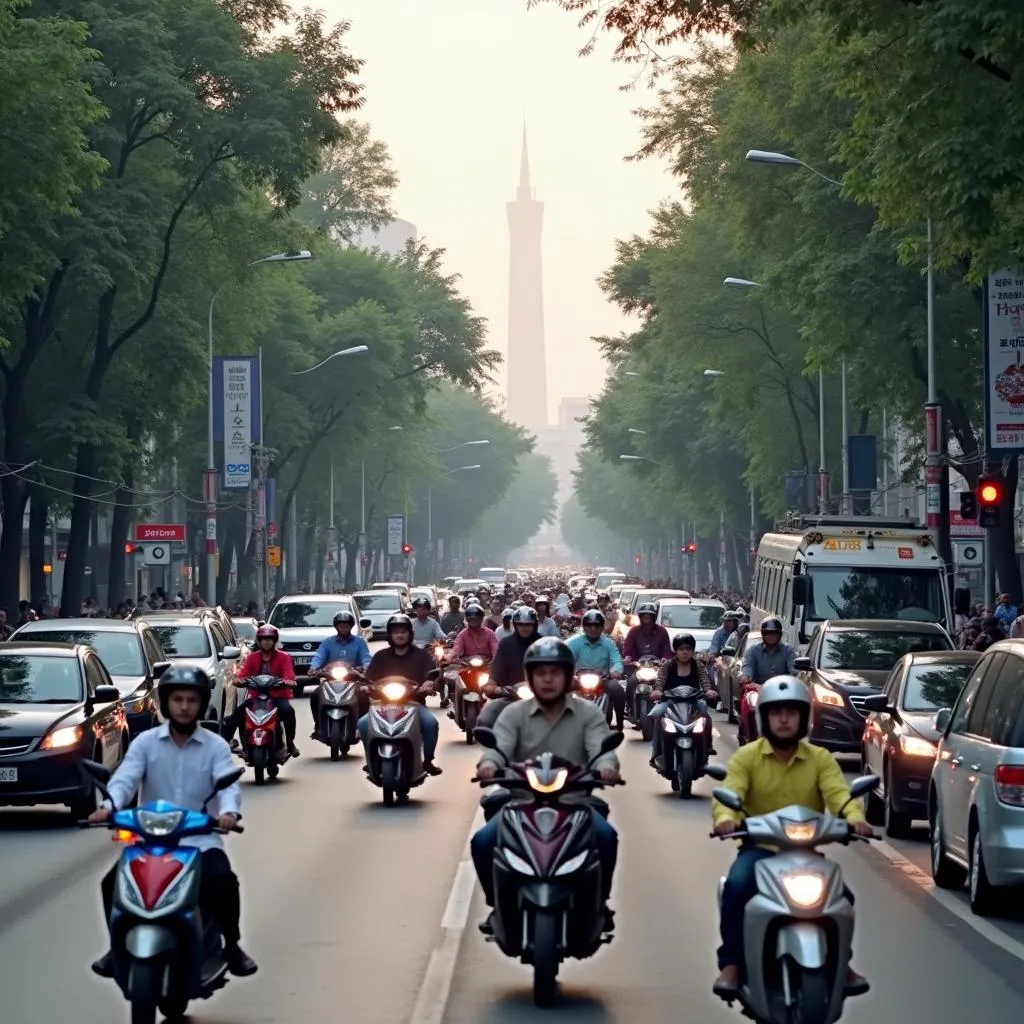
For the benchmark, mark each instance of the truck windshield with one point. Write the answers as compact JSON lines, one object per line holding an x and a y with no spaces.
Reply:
{"x":839,"y":592}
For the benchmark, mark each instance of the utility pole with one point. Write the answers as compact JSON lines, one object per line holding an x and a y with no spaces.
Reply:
{"x":262,"y":458}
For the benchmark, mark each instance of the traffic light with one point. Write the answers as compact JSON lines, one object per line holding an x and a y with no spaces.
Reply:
{"x":407,"y":550}
{"x":691,"y":548}
{"x":968,"y":505}
{"x":637,"y":559}
{"x":990,"y":498}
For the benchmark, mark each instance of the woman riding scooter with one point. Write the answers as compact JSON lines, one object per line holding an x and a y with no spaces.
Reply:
{"x":682,"y":670}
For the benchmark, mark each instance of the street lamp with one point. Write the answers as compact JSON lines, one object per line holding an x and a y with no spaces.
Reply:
{"x":430,"y":491}
{"x":643,"y":458}
{"x":210,"y":484}
{"x":764,"y":156}
{"x":354,"y":351}
{"x":634,"y":430}
{"x":465,"y":444}
{"x":714,"y":374}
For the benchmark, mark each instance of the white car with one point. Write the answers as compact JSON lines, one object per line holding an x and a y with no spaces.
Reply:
{"x":378,"y":606}
{"x":402,"y":588}
{"x":696,"y":617}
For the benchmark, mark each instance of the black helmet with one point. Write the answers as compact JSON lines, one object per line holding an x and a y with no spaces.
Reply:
{"x":506,"y":615}
{"x":593,"y":618}
{"x":474,"y":611}
{"x":548,"y":650}
{"x":684,"y":640}
{"x":183,"y":677}
{"x":603,"y":594}
{"x":647,"y":608}
{"x":771,"y":625}
{"x":421,"y":601}
{"x":524,"y":615}
{"x":344,"y":616}
{"x":399,"y":621}
{"x":728,"y":614}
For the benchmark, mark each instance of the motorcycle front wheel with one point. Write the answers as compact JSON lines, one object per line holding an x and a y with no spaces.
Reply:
{"x":144,"y":983}
{"x":388,"y":781}
{"x":335,"y":741}
{"x":259,"y":765}
{"x":812,"y":999}
{"x":472,"y":714}
{"x":685,"y":772}
{"x":545,"y":959}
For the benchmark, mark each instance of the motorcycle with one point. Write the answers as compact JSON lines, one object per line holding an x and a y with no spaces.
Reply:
{"x":164,"y":953}
{"x":590,"y":687}
{"x":748,"y":729}
{"x":547,"y":874}
{"x":445,"y":675}
{"x":683,"y":751}
{"x":799,"y":928}
{"x":262,"y":735}
{"x":469,"y":683}
{"x":339,"y":709}
{"x":394,"y":745}
{"x":639,"y":711}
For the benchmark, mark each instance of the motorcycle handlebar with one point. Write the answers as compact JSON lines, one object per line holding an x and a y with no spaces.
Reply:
{"x":851,"y":836}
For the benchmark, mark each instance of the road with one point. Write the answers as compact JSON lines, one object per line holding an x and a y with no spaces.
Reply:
{"x":344,"y":902}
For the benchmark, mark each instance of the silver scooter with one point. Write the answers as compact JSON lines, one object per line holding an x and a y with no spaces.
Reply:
{"x":800,"y":912}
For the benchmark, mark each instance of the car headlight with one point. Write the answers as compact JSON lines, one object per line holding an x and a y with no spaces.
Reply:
{"x":805,"y":890}
{"x":393,"y":691}
{"x":914,"y":746}
{"x":60,"y":739}
{"x":824,"y":695}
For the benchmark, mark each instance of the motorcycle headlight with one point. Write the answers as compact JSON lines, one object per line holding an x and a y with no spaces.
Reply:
{"x":646,"y":675}
{"x":547,"y":787}
{"x":393,"y":691}
{"x":482,"y":679}
{"x":476,"y":662}
{"x":573,"y":863}
{"x":516,"y":863}
{"x":751,"y":698}
{"x":439,"y":651}
{"x":800,"y":831}
{"x":523,"y":692}
{"x":589,"y":680}
{"x":162,"y":824}
{"x":668,"y":725}
{"x":337,"y":674}
{"x":805,"y":890}
{"x":699,"y":725}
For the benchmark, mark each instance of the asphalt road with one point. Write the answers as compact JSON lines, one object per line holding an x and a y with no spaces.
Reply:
{"x":357,"y":912}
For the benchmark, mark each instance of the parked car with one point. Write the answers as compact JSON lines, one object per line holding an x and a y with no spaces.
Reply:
{"x":976,"y":796}
{"x":900,"y":738}
{"x":129,"y":649}
{"x":847,"y":661}
{"x":58,"y":705}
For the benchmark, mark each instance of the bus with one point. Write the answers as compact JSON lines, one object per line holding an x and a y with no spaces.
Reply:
{"x":848,"y":567}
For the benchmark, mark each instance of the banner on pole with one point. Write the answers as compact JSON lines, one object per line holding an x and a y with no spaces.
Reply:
{"x":236,"y":415}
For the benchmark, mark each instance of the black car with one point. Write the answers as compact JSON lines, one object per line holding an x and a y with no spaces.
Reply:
{"x":57,"y":706}
{"x":900,"y":738}
{"x":130,"y":651}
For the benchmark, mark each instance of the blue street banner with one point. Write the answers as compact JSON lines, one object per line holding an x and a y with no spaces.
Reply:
{"x":236,"y":416}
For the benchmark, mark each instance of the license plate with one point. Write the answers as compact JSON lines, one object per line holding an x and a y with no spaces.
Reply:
{"x":8,"y":774}
{"x":302,"y":662}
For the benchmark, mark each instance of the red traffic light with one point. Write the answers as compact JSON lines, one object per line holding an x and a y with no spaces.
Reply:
{"x":406,"y":549}
{"x":129,"y":547}
{"x":988,"y":492}
{"x":691,"y":548}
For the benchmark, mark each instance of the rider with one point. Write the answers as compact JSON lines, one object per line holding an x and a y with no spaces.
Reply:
{"x":267,"y":660}
{"x":476,"y":640}
{"x":493,"y":619}
{"x":453,"y":620}
{"x":720,"y":637}
{"x":180,"y":762}
{"x":403,"y":660}
{"x":425,"y":628}
{"x":608,"y":610}
{"x":683,"y":670}
{"x":505,"y":629}
{"x":507,"y":666}
{"x":598,"y":653}
{"x":769,"y":658}
{"x":645,"y":640}
{"x":552,"y":722}
{"x":778,"y":770}
{"x":345,"y":646}
{"x":546,"y":625}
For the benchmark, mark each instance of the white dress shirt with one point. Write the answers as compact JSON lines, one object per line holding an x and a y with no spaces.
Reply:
{"x":184,"y":775}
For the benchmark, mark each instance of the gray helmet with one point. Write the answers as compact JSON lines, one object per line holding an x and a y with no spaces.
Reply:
{"x":771,"y":624}
{"x":183,"y":677}
{"x":524,"y":615}
{"x":474,"y":611}
{"x":421,"y":601}
{"x":784,"y":691}
{"x":593,"y":618}
{"x":647,"y":608}
{"x":727,"y":615}
{"x":548,"y":650}
{"x":506,"y":614}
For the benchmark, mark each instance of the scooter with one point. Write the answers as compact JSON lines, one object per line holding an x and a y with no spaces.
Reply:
{"x":639,"y":710}
{"x":262,"y":735}
{"x":748,"y":727}
{"x":798,"y":929}
{"x":164,"y":953}
{"x":590,"y":686}
{"x":394,"y":744}
{"x":547,"y":874}
{"x":683,"y":750}
{"x":339,"y":709}
{"x":469,"y":683}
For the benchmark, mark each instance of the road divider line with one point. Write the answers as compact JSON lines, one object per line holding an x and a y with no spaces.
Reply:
{"x":432,"y":999}
{"x":949,"y":901}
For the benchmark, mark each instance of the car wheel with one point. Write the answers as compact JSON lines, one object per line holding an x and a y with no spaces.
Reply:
{"x":898,"y":824}
{"x":945,"y":874}
{"x":983,"y":893}
{"x":874,"y":810}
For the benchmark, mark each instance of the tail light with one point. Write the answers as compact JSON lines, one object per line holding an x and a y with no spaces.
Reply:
{"x":1010,"y":784}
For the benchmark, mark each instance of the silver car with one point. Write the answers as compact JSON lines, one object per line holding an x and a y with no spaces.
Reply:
{"x":698,"y":618}
{"x":976,"y":795}
{"x":378,"y":606}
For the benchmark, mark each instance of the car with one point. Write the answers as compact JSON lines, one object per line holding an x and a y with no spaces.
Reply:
{"x":202,"y":642}
{"x":403,"y":588}
{"x":130,"y":652}
{"x":729,"y":668}
{"x":377,"y":606}
{"x":686,"y":615}
{"x":976,"y":793}
{"x":900,"y":738}
{"x":494,"y":576}
{"x":430,"y":593}
{"x":647,"y":595}
{"x":847,"y":661}
{"x":304,"y":621}
{"x":245,"y":630}
{"x":58,"y":706}
{"x":218,"y":612}
{"x":605,"y":579}
{"x":469,"y":585}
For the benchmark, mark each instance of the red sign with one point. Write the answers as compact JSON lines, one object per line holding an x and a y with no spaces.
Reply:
{"x":906,"y":552}
{"x":271,"y":529}
{"x":160,"y":531}
{"x":960,"y":527}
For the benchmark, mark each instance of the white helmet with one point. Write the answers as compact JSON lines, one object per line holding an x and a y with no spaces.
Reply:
{"x":787,"y":691}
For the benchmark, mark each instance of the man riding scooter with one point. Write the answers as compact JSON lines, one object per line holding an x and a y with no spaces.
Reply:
{"x":761,"y":662}
{"x":779,"y":769}
{"x":507,"y":667}
{"x":645,"y":640}
{"x":596,"y":652}
{"x":344,"y":646}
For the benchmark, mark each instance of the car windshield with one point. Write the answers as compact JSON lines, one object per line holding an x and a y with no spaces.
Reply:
{"x":914,"y":595}
{"x":245,"y":629}
{"x":300,"y":615}
{"x":493,"y":575}
{"x":869,"y":650}
{"x":691,"y":616}
{"x":385,"y":601}
{"x":121,"y":652}
{"x":39,"y":679}
{"x":930,"y":687}
{"x":183,"y":641}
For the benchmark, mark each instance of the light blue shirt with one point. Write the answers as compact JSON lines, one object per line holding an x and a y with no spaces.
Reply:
{"x":353,"y":651}
{"x":719,"y":639}
{"x":184,"y":775}
{"x":600,"y":655}
{"x":548,"y":627}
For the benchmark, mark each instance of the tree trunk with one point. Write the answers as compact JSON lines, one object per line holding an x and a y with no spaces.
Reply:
{"x":86,"y":470}
{"x":351,"y":561}
{"x":1004,"y":540}
{"x":37,"y":522}
{"x":121,"y":519}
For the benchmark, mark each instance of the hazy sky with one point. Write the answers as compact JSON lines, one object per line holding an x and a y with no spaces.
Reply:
{"x":448,"y":83}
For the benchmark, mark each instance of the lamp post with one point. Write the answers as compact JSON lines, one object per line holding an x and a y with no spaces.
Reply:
{"x":210,"y":485}
{"x":430,"y":492}
{"x":361,"y":575}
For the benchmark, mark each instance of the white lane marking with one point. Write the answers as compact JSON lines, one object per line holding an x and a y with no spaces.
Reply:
{"x":957,"y":907}
{"x":432,"y":1000}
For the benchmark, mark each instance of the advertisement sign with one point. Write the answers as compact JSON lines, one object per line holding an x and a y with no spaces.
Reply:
{"x":236,"y":416}
{"x":1004,"y":369}
{"x":960,"y":527}
{"x":160,"y":531}
{"x":396,"y":534}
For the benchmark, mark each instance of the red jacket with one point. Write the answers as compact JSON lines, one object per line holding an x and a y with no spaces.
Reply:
{"x":279,"y":665}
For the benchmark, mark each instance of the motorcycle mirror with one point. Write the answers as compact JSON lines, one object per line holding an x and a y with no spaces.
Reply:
{"x":727,"y":797}
{"x":716,"y":771}
{"x":861,"y":785}
{"x":486,"y":738}
{"x":96,"y":773}
{"x":434,"y":673}
{"x":224,"y":782}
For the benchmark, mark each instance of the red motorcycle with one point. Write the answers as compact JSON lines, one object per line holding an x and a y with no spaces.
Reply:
{"x":262,"y":734}
{"x":748,"y":728}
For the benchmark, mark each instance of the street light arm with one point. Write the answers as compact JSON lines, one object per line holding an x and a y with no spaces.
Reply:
{"x":334,"y":355}
{"x":763,"y":156}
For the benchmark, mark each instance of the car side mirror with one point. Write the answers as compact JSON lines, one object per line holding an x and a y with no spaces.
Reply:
{"x":802,"y":665}
{"x":365,"y":623}
{"x":799,"y":590}
{"x":728,"y":652}
{"x":942,"y":718}
{"x":229,"y":653}
{"x":159,"y":668}
{"x":106,"y":694}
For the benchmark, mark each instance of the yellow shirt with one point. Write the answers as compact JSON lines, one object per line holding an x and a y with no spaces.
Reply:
{"x":766,"y":783}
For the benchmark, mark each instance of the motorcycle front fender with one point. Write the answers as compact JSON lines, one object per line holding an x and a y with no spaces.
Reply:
{"x":545,"y":896}
{"x":335,"y":713}
{"x":684,"y":743}
{"x":805,"y":942}
{"x":388,"y":751}
{"x":148,"y":941}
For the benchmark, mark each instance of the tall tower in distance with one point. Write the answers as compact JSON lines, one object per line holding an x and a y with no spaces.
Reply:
{"x":527,"y":366}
